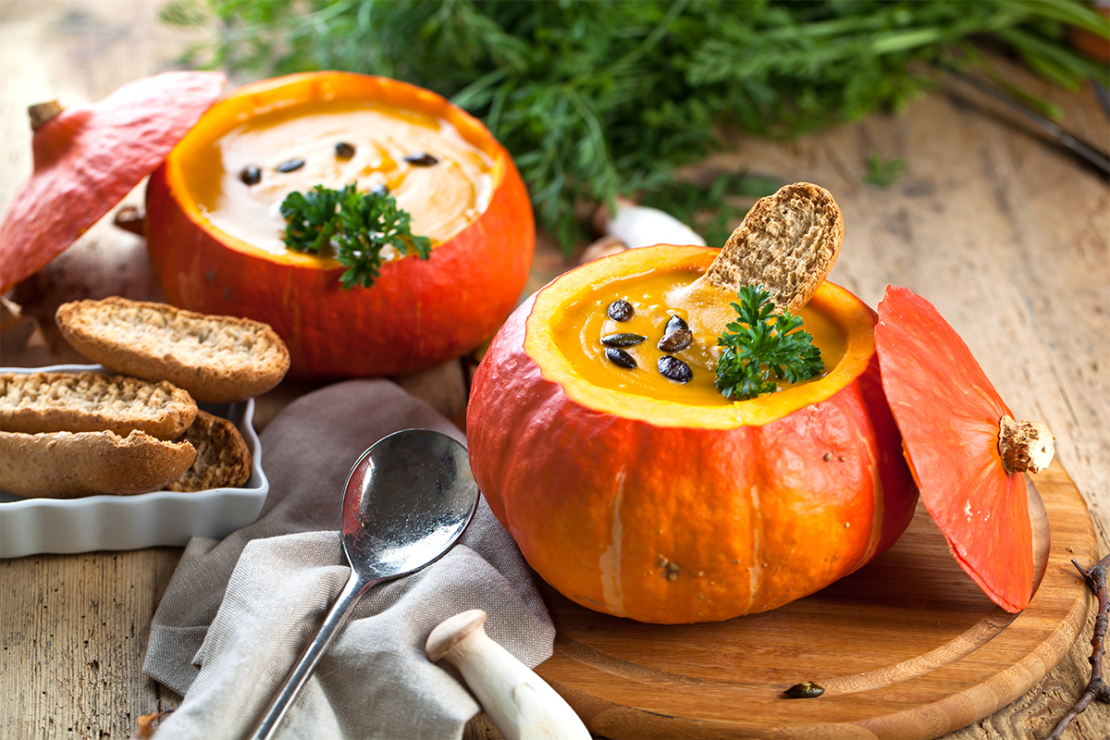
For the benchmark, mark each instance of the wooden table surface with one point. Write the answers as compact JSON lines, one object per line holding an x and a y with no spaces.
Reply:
{"x":1006,"y":233}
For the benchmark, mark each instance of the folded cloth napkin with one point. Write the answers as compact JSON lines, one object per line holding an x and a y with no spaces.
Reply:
{"x":238,"y":611}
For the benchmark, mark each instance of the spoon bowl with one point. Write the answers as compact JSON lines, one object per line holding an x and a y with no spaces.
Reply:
{"x":407,"y":500}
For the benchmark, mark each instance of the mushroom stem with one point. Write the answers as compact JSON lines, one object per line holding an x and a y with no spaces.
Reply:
{"x":41,"y":113}
{"x":1025,"y":446}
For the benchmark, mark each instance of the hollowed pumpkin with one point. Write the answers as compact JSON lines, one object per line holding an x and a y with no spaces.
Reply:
{"x":672,"y":512}
{"x":417,"y":314}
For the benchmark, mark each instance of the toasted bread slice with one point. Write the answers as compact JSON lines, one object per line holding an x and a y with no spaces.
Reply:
{"x":72,"y":465}
{"x":217,"y":359}
{"x":32,"y":403}
{"x":223,"y":460}
{"x":788,"y":243}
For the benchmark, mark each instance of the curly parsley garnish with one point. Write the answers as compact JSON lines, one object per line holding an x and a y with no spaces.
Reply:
{"x":358,"y":225}
{"x":761,"y":348}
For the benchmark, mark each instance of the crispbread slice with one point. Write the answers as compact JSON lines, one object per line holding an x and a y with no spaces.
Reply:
{"x":223,"y":460}
{"x":91,"y":402}
{"x":788,"y":243}
{"x":72,"y":465}
{"x":217,"y":359}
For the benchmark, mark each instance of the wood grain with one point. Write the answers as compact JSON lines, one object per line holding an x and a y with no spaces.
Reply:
{"x":993,"y":223}
{"x":907,"y":647}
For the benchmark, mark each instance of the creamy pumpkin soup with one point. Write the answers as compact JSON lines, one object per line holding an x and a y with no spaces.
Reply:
{"x":240,"y":179}
{"x":655,"y":335}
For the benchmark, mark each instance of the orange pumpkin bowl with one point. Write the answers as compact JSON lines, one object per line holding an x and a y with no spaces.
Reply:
{"x":668,"y":512}
{"x":416,"y":315}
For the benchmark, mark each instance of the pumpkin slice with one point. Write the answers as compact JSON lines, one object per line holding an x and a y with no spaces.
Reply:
{"x":964,"y":448}
{"x":88,"y":158}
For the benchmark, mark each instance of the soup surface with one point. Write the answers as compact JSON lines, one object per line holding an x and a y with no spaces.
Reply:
{"x":655,"y":297}
{"x":240,"y":180}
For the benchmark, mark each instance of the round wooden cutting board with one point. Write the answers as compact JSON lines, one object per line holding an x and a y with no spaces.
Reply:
{"x":906,"y":648}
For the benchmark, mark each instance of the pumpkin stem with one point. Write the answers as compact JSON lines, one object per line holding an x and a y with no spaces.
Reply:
{"x":1025,"y":446}
{"x":41,"y":113}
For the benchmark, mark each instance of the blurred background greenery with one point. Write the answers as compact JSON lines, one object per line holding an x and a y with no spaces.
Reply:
{"x":596,"y":98}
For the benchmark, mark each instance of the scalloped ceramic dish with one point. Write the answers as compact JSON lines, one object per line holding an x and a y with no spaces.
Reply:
{"x":29,"y":526}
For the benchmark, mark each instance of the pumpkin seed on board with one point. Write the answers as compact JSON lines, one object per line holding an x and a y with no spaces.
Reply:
{"x":804,"y":690}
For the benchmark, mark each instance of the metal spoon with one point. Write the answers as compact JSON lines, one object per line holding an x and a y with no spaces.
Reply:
{"x":406,"y":501}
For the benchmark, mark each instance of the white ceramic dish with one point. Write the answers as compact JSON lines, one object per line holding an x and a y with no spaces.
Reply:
{"x":30,"y":526}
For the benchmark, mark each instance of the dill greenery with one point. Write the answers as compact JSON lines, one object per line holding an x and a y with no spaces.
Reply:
{"x":883,"y":173}
{"x":598,"y":97}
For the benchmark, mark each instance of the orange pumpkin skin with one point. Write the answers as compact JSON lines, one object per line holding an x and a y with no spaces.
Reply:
{"x":678,"y":524}
{"x":419,"y":313}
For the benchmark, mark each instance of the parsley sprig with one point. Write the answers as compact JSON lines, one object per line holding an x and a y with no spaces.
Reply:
{"x":761,"y":348}
{"x":358,"y":225}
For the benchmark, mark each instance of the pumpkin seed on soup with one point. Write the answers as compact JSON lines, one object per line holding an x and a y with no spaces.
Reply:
{"x":676,"y":323}
{"x":421,"y":159}
{"x":290,"y":165}
{"x":620,"y":310}
{"x":343,"y":150}
{"x":674,"y":369}
{"x":673,"y":341}
{"x":620,"y":358}
{"x":624,"y":339}
{"x":251,"y":175}
{"x":379,"y":189}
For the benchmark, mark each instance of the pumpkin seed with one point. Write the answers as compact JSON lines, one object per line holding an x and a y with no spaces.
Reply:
{"x":343,"y":150}
{"x":806,"y":690}
{"x":622,"y":340}
{"x":674,"y":369}
{"x":620,"y":310}
{"x":673,"y":341}
{"x":620,"y":358}
{"x":290,"y":165}
{"x":421,"y":159}
{"x":379,"y":189}
{"x":676,"y":323}
{"x":251,"y":175}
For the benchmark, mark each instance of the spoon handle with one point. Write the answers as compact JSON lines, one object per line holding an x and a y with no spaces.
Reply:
{"x":295,"y":681}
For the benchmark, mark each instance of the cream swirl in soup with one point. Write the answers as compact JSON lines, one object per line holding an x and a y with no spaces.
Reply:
{"x":423,"y":161}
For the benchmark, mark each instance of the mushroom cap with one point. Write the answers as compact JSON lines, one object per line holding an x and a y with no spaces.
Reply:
{"x":88,"y":158}
{"x":949,"y":416}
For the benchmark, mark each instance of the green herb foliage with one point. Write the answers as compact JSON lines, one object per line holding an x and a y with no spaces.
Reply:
{"x":596,"y":97}
{"x":358,"y":225}
{"x":883,"y":174}
{"x":761,"y":348}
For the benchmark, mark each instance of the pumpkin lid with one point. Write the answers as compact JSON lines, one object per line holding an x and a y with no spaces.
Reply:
{"x":88,"y":158}
{"x":966,"y":452}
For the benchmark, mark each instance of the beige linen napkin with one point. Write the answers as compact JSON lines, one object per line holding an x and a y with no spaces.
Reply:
{"x":238,"y":611}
